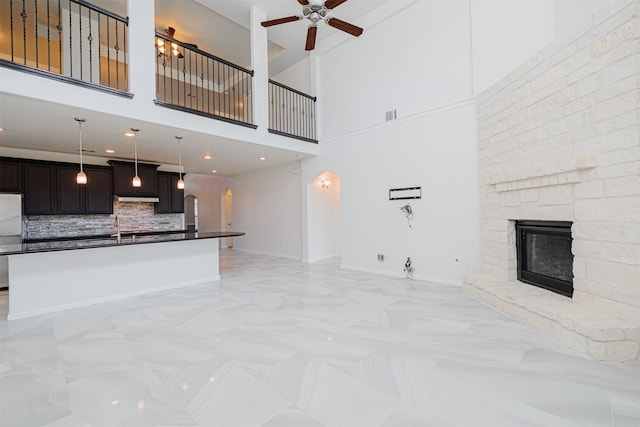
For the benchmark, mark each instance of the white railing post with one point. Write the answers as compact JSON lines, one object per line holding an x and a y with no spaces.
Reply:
{"x":260,"y":66}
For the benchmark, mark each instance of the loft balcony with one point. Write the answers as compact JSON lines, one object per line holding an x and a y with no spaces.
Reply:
{"x":194,"y":81}
{"x":70,"y":40}
{"x":82,"y":44}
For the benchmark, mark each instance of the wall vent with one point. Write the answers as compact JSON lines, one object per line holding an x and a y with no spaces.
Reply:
{"x":392,"y":115}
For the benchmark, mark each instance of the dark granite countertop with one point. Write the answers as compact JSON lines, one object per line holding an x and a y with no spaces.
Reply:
{"x":99,"y":241}
{"x":101,"y":236}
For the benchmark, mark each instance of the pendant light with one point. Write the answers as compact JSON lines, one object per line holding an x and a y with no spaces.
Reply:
{"x":180,"y":181}
{"x":81,"y":177}
{"x":136,"y":182}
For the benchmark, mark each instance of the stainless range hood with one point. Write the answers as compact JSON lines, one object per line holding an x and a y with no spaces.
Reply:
{"x":136,"y":199}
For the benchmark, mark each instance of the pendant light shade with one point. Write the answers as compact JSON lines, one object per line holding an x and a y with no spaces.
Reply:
{"x":180,"y":184}
{"x":81,"y":177}
{"x":136,"y":182}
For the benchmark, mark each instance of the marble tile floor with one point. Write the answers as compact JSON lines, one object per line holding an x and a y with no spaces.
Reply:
{"x":279,"y":343}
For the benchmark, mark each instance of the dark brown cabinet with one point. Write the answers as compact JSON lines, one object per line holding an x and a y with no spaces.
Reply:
{"x":99,"y":190}
{"x":171,"y":199}
{"x":69,"y":194}
{"x":95,"y":197}
{"x":123,"y":173}
{"x":10,"y":176}
{"x":39,"y":189}
{"x":50,"y":188}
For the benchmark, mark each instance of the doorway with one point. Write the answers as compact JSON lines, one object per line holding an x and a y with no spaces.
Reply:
{"x":227,"y":216}
{"x":191,"y":212}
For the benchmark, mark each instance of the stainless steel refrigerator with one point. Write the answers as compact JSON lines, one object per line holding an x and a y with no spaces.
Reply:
{"x":10,"y":228}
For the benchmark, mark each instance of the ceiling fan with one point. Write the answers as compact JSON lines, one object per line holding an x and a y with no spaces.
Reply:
{"x":315,"y":11}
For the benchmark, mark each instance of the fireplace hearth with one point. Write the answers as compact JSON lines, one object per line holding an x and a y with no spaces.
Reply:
{"x":544,"y":255}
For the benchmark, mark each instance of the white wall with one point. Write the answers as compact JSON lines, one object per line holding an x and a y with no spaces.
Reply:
{"x":434,"y":151}
{"x":417,"y":60}
{"x":508,"y":32}
{"x":298,"y":76}
{"x":208,"y":190}
{"x":324,"y":217}
{"x":567,"y":15}
{"x":267,"y":205}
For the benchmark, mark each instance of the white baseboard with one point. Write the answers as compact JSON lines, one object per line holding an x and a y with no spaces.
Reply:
{"x":276,"y":255}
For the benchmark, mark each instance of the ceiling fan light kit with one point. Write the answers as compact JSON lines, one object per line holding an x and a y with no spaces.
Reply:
{"x":316,"y":11}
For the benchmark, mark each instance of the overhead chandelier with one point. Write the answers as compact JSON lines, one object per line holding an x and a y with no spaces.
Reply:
{"x":166,"y":48}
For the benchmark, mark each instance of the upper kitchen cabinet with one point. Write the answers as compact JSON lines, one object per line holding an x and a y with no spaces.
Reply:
{"x":95,"y":197}
{"x":69,"y":194}
{"x":171,"y":199}
{"x":39,"y":189}
{"x":123,"y":173}
{"x":99,"y":190}
{"x":10,"y":176}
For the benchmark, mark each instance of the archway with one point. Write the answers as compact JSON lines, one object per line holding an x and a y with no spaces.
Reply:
{"x":324,"y":217}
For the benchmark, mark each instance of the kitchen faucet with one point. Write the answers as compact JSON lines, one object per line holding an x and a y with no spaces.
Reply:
{"x":116,"y":224}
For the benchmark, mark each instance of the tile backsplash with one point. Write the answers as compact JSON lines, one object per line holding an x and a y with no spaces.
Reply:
{"x":133,"y":217}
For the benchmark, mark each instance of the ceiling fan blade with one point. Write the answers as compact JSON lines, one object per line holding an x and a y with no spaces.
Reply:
{"x":345,"y":26}
{"x":311,"y":37}
{"x":303,"y":2}
{"x":280,"y":21}
{"x":332,"y":4}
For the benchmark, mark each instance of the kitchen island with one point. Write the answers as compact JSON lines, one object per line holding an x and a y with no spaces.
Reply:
{"x":55,"y":275}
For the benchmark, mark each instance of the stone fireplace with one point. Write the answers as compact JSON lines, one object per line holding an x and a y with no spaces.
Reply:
{"x":559,"y":141}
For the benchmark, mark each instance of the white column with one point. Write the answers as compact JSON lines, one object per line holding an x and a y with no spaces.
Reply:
{"x":315,"y":87}
{"x":142,"y":60}
{"x":260,"y":66}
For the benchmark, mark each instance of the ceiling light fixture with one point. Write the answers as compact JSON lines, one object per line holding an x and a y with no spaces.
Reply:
{"x":136,"y":181}
{"x":214,"y":171}
{"x":180,"y":181}
{"x":129,"y":134}
{"x":262,"y":158}
{"x":162,"y":45}
{"x":81,"y":177}
{"x":109,"y":150}
{"x":207,"y":157}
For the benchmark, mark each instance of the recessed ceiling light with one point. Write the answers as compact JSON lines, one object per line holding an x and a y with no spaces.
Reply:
{"x":207,"y":157}
{"x":263,"y":158}
{"x":1,"y":129}
{"x":110,"y":151}
{"x":129,"y":134}
{"x":214,"y":171}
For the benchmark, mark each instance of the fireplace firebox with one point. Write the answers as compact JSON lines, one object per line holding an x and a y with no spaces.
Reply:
{"x":544,"y":255}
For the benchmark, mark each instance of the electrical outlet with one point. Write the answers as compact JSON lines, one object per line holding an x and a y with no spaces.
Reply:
{"x":381,"y":257}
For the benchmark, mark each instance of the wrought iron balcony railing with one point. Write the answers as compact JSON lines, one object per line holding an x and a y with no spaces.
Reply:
{"x":291,"y":113}
{"x":70,"y":40}
{"x":195,"y":81}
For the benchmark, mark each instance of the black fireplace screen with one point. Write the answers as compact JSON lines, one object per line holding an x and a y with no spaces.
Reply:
{"x":544,"y":255}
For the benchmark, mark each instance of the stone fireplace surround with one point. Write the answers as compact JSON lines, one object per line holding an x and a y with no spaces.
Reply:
{"x":559,"y":140}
